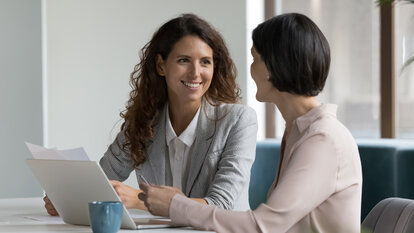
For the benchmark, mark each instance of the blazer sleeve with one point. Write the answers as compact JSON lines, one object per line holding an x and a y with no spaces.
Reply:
{"x":233,"y":171}
{"x":308,"y":180}
{"x":116,"y":162}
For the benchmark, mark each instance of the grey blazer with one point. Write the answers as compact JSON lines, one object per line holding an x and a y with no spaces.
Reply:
{"x":223,"y":153}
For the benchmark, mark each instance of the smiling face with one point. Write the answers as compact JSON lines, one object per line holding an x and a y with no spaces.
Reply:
{"x":260,"y":75}
{"x":188,"y":70}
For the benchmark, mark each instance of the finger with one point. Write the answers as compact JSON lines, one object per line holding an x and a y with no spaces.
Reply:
{"x":142,"y":196}
{"x":49,"y":206}
{"x":118,"y":190}
{"x":52,"y":212}
{"x":147,"y":206}
{"x":171,"y":188}
{"x":115,"y":182}
{"x":50,"y":209}
{"x":144,"y":187}
{"x":46,"y":199}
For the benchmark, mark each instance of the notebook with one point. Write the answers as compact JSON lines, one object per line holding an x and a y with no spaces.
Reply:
{"x":72,"y":184}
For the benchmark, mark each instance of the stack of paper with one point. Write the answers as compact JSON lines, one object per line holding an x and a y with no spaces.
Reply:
{"x":40,"y":152}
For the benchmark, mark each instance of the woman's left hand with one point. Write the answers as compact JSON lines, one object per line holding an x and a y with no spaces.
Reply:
{"x":158,"y":198}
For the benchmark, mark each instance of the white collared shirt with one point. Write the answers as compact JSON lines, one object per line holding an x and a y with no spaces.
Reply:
{"x":179,"y":150}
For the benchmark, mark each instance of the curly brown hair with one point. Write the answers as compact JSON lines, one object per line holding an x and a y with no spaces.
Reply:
{"x":149,"y":89}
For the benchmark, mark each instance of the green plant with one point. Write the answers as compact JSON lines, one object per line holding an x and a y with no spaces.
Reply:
{"x":387,"y":3}
{"x":408,"y":62}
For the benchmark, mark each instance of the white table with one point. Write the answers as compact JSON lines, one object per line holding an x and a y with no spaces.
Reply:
{"x":13,"y":212}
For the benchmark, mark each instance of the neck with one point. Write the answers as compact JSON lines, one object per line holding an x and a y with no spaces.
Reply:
{"x":293,"y":106}
{"x":181,"y":115}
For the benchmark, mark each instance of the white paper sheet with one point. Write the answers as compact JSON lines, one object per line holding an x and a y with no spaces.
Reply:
{"x":30,"y":219}
{"x":40,"y":152}
{"x":45,"y":219}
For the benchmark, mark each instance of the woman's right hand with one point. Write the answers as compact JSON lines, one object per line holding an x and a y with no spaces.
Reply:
{"x":49,"y":207}
{"x":128,"y":195}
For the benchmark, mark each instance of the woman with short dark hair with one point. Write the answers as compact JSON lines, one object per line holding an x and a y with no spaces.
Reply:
{"x":319,"y":180}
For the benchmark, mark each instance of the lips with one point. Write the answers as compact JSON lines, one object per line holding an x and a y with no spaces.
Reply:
{"x":191,"y":84}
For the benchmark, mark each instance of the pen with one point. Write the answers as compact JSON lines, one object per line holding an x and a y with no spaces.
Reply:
{"x":142,"y":178}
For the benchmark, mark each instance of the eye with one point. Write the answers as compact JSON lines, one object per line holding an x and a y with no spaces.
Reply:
{"x":206,"y":61}
{"x":182,"y":60}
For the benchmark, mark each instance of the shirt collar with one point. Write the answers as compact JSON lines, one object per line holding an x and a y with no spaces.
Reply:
{"x":187,"y":136}
{"x":304,"y":121}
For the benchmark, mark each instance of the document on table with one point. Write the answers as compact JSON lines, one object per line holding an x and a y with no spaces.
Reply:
{"x":45,"y":219}
{"x":134,"y":213}
{"x":30,"y":219}
{"x":40,"y":152}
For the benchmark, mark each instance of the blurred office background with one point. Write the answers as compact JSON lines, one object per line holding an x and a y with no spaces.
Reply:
{"x":65,"y":65}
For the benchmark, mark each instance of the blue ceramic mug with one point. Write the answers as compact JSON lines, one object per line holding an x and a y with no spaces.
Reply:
{"x":105,"y":216}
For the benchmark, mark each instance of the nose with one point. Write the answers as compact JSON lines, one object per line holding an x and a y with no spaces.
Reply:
{"x":195,"y":69}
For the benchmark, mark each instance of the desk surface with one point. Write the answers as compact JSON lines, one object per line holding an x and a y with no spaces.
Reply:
{"x":13,"y":212}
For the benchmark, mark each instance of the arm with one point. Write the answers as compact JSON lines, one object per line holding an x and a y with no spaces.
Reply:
{"x":116,"y":162}
{"x":183,"y":211}
{"x":117,"y":165}
{"x":308,"y":180}
{"x":233,"y":170}
{"x":168,"y":201}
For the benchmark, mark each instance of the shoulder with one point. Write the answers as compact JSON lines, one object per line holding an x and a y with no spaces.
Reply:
{"x":236,"y":112}
{"x":328,"y":133}
{"x":330,"y":127}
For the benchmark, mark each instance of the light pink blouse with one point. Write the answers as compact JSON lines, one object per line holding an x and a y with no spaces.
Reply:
{"x":318,"y":188}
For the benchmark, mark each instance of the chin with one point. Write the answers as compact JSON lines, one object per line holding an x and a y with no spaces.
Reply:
{"x":194,"y":98}
{"x":259,"y":98}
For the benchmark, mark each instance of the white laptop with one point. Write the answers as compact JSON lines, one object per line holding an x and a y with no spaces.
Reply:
{"x":72,"y":184}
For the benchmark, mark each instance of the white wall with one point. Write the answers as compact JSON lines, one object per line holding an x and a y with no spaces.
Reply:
{"x":255,"y":15}
{"x":92,"y":47}
{"x":20,"y":94}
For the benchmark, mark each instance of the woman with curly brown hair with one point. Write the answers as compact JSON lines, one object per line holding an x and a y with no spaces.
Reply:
{"x":182,"y":126}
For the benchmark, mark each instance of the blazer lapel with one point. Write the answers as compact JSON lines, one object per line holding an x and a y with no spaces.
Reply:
{"x":206,"y":127}
{"x":157,"y":153}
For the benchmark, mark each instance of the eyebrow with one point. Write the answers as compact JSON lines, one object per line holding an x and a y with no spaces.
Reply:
{"x":186,"y":56}
{"x":180,"y":55}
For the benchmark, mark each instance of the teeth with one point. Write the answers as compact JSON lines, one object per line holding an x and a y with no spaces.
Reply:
{"x":191,"y":84}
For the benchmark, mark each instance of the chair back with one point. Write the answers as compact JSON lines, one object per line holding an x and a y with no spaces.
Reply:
{"x":263,"y":171}
{"x":391,"y":215}
{"x":378,"y":163}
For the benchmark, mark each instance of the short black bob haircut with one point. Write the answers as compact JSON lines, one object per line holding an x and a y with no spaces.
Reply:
{"x":295,"y":52}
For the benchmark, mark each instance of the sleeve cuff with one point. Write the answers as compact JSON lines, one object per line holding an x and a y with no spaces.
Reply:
{"x":179,"y":205}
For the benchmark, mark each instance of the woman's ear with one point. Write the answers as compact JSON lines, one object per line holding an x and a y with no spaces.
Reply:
{"x":160,"y":66}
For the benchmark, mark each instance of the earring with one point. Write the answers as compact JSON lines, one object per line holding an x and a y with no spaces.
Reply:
{"x":268,"y":78}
